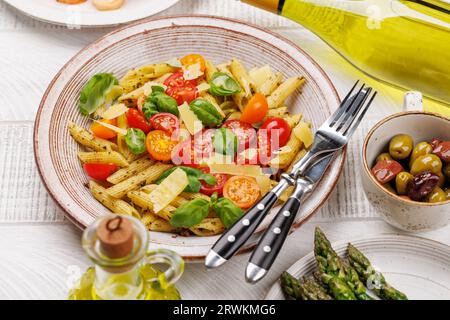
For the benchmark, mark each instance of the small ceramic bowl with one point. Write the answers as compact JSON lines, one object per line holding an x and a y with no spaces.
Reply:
{"x":405,"y":214}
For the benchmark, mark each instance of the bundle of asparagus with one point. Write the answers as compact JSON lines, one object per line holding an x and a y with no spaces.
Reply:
{"x":337,"y":278}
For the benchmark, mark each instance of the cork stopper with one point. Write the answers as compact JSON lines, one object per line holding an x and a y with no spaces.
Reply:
{"x":116,"y":237}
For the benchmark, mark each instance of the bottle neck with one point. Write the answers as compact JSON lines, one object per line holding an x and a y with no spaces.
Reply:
{"x":275,"y":6}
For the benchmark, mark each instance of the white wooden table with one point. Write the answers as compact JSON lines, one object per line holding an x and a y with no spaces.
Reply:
{"x":40,"y":250}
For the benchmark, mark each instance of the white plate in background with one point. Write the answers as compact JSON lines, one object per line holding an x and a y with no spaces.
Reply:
{"x":418,"y":267}
{"x":86,"y":15}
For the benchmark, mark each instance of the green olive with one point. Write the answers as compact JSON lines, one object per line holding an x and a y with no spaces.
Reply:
{"x":421,"y":149}
{"x":428,"y":162}
{"x":384,"y":156}
{"x":446,"y":171}
{"x":402,"y":180}
{"x":437,"y":195}
{"x":447,"y":193}
{"x":400,"y":146}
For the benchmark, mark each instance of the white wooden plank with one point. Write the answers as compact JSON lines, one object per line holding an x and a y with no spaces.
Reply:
{"x":40,"y":260}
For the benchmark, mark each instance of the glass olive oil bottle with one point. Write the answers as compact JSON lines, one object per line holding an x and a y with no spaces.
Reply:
{"x":405,"y":43}
{"x":124,"y":269}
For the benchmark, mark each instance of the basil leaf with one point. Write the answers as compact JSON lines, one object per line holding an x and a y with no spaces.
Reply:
{"x":94,"y":92}
{"x":225,"y":141}
{"x":149,"y":109}
{"x":158,"y":101}
{"x":227,"y":211}
{"x":135,"y":140}
{"x":208,"y":178}
{"x":194,"y":177}
{"x":206,"y":112}
{"x":190,"y":213}
{"x":221,"y":84}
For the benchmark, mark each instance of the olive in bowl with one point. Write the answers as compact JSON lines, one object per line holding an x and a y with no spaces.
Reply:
{"x":415,"y":172}
{"x":406,"y":170}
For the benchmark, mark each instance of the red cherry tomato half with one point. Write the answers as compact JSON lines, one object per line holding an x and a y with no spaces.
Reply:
{"x":218,"y":187}
{"x":277,"y":128}
{"x":386,"y":170}
{"x":164,"y":121}
{"x":180,"y":89}
{"x":99,"y":171}
{"x":136,"y":119}
{"x":245,"y":133}
{"x":265,"y":149}
{"x":192,"y":152}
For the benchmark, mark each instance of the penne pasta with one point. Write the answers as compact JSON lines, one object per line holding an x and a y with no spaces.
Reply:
{"x":115,"y":205}
{"x":150,"y":174}
{"x":134,"y":168}
{"x":88,"y":140}
{"x":208,"y":227}
{"x":105,"y":157}
{"x":293,"y":120}
{"x":241,"y":75}
{"x":210,"y":69}
{"x":176,"y":203}
{"x":143,"y":200}
{"x":269,"y":86}
{"x":283,"y":159}
{"x":136,"y":78}
{"x":280,"y":94}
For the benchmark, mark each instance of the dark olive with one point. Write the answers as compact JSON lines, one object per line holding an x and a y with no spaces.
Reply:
{"x":446,"y":171}
{"x":422,"y":185}
{"x":400,"y":146}
{"x":442,"y":150}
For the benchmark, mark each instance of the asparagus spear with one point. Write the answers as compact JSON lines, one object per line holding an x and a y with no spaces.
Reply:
{"x":376,"y":280}
{"x":290,"y":287}
{"x":340,"y":277}
{"x":307,"y":289}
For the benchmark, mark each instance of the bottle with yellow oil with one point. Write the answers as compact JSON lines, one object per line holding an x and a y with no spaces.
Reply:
{"x":405,"y":43}
{"x":124,"y":269}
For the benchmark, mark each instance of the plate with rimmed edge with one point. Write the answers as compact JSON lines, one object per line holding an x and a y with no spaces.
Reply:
{"x":418,"y":267}
{"x":85,"y":15}
{"x":158,"y":40}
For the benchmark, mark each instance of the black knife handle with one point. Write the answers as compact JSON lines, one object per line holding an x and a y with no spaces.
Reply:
{"x":273,"y":239}
{"x":235,"y":237}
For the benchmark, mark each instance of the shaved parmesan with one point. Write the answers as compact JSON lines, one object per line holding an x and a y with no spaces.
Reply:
{"x":146,"y":89}
{"x":202,"y":87}
{"x":218,"y":158}
{"x":264,"y":183}
{"x":183,"y":134}
{"x":260,"y":75}
{"x":168,"y":190}
{"x":192,"y":123}
{"x":303,"y":132}
{"x":175,"y":62}
{"x":192,"y":71}
{"x":114,"y":111}
{"x":113,"y":128}
{"x":236,"y":170}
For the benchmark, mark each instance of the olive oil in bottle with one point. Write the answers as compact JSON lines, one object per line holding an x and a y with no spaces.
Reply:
{"x":123,"y":267}
{"x":405,"y":43}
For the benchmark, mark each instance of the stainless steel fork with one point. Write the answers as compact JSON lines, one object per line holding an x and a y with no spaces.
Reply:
{"x":331,"y":136}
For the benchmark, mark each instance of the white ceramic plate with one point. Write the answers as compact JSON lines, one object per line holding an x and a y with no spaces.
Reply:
{"x":159,"y":40}
{"x":86,"y":15}
{"x":416,"y":266}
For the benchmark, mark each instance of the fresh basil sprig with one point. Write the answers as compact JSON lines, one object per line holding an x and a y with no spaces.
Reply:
{"x":95,"y":91}
{"x":190,"y":214}
{"x":206,"y":112}
{"x":135,"y":140}
{"x":227,"y":211}
{"x":221,"y":84}
{"x":157,"y":102}
{"x":225,"y":141}
{"x":194,"y":211}
{"x":194,"y":177}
